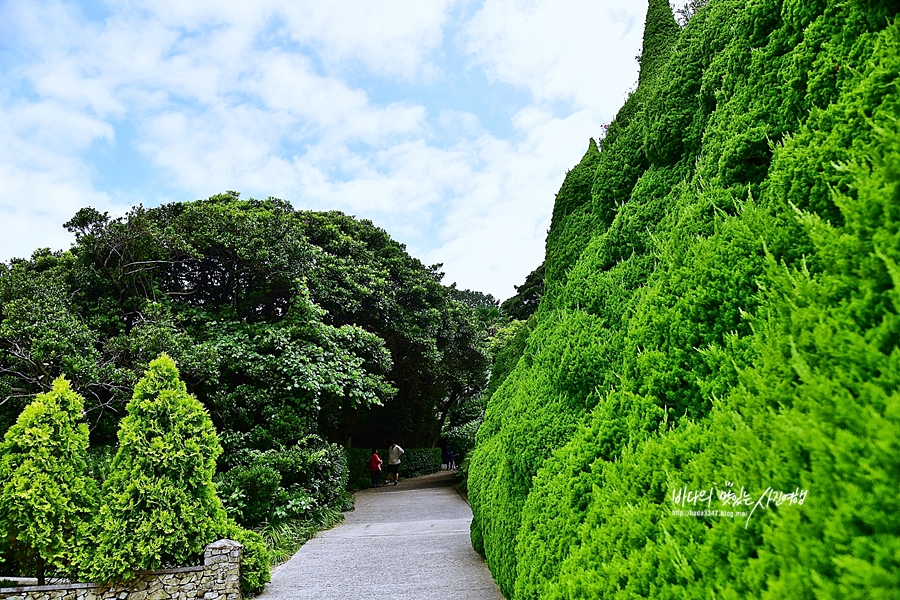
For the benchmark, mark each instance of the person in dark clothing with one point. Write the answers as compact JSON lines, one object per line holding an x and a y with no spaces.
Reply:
{"x":448,"y":456}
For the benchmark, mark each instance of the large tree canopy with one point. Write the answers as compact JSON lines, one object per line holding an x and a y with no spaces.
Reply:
{"x":283,"y":322}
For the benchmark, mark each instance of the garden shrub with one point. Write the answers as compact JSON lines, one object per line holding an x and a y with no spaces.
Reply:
{"x":160,"y":507}
{"x":255,"y":560}
{"x":327,"y":475}
{"x":249,"y":493}
{"x":289,"y":483}
{"x":46,"y":496}
{"x":419,"y":461}
{"x":316,"y":466}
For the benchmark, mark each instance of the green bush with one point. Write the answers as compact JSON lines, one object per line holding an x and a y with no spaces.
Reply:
{"x":160,"y":506}
{"x":419,"y":461}
{"x":256,"y":558}
{"x":249,"y":493}
{"x":734,"y":317}
{"x":46,"y":496}
{"x":275,"y":485}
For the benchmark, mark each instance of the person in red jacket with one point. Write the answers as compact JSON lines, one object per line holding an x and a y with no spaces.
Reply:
{"x":375,"y":468}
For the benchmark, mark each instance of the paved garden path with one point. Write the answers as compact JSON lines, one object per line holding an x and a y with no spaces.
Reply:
{"x":405,"y":542}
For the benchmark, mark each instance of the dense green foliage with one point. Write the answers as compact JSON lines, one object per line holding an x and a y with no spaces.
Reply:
{"x":509,"y":327}
{"x":295,"y":483}
{"x":47,"y":499}
{"x":256,"y":559}
{"x":434,"y":333}
{"x":660,"y":31}
{"x":732,"y":317}
{"x":283,"y":322}
{"x":296,"y":330}
{"x":160,"y":481}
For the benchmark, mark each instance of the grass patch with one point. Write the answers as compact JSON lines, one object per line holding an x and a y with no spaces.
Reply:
{"x":285,"y":538}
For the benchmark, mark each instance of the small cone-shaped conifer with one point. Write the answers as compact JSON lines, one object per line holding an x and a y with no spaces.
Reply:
{"x":160,"y":505}
{"x":573,"y":223}
{"x":660,"y":32}
{"x":576,"y":188}
{"x":46,"y":500}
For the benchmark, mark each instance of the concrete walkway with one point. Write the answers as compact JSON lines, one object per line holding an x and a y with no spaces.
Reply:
{"x":405,"y":542}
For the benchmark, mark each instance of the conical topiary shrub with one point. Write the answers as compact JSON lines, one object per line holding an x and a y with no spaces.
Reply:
{"x":160,"y":506}
{"x":660,"y":32}
{"x":45,"y":497}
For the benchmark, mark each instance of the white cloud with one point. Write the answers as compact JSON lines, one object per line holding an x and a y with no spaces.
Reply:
{"x":42,"y":183}
{"x":274,"y":98}
{"x":573,"y":50}
{"x":391,"y":37}
{"x":387,"y":37}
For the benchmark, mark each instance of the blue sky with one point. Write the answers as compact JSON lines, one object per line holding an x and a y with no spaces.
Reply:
{"x":449,"y":123}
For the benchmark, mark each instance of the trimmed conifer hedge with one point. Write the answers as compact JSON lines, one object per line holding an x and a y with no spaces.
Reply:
{"x":731,"y":319}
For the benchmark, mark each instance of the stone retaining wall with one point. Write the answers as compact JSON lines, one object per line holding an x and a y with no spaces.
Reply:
{"x":218,"y":578}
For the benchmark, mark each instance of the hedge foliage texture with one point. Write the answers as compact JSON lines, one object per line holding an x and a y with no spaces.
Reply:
{"x":722,"y":312}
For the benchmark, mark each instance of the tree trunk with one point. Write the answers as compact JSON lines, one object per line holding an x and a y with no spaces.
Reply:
{"x":40,"y":571}
{"x":440,"y":424}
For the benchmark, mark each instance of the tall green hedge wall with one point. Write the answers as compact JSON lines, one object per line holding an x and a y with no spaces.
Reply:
{"x":722,"y":310}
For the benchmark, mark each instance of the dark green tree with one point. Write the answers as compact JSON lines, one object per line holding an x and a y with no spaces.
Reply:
{"x":485,"y":305}
{"x":43,"y":335}
{"x":528,"y":297}
{"x":365,"y":278}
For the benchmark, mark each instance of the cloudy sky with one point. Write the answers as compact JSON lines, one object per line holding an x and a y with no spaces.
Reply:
{"x":449,"y":123}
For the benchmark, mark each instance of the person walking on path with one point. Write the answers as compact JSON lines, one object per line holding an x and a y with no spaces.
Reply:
{"x":448,"y":456}
{"x":375,"y":466}
{"x":393,"y":466}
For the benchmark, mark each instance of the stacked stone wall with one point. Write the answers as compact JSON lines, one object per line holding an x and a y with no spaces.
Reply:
{"x":217,"y":579}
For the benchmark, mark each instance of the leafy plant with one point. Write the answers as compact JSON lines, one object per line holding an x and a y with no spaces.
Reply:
{"x":46,"y":496}
{"x":160,"y":506}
